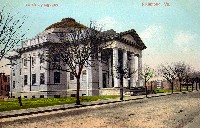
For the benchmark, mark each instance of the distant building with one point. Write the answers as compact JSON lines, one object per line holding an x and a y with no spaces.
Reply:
{"x":4,"y":85}
{"x":30,"y":77}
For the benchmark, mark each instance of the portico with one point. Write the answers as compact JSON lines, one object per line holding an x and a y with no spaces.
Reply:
{"x":127,"y":60}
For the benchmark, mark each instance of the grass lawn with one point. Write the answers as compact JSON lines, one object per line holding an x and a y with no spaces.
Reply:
{"x":175,"y":90}
{"x":12,"y":104}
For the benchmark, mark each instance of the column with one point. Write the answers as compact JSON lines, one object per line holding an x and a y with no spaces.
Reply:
{"x":140,"y":83}
{"x":115,"y":64}
{"x":110,"y":71}
{"x":100,"y":71}
{"x":125,"y":68}
{"x":132,"y":70}
{"x":89,"y":78}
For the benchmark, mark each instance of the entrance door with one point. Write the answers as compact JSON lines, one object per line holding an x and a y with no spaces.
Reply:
{"x":104,"y":79}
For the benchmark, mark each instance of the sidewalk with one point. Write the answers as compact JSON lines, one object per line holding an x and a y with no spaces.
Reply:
{"x":22,"y":112}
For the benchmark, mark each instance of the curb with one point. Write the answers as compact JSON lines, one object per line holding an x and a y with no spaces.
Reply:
{"x":30,"y":111}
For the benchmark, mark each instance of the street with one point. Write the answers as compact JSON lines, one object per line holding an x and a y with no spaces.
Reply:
{"x":172,"y":111}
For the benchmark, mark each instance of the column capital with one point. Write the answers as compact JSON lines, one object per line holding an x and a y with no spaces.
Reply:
{"x":124,"y":50}
{"x":116,"y":48}
{"x":132,"y":53}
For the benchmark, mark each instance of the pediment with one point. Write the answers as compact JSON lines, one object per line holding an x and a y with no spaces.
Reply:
{"x":129,"y":38}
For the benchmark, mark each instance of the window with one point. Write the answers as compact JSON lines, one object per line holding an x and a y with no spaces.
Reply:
{"x":20,"y":71}
{"x":42,"y":78}
{"x":33,"y":79}
{"x":33,"y":61}
{"x":71,"y":76}
{"x":13,"y":84}
{"x":84,"y":75}
{"x":8,"y":79}
{"x":5,"y":79}
{"x":25,"y":62}
{"x":13,"y":72}
{"x":56,"y":77}
{"x":42,"y":59}
{"x":8,"y":88}
{"x":25,"y":79}
{"x":56,"y":58}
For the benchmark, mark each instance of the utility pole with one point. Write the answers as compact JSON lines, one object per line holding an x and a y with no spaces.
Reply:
{"x":11,"y":77}
{"x":30,"y":70}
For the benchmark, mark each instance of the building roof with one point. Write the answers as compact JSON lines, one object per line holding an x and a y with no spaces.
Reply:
{"x":110,"y":35}
{"x":66,"y":23}
{"x":138,"y":43}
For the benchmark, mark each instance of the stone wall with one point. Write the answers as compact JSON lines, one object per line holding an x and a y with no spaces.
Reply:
{"x":109,"y":91}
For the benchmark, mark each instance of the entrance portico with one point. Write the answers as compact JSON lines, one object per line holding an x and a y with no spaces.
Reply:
{"x":126,"y":58}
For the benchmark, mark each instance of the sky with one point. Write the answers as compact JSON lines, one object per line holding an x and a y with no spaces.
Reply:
{"x":169,"y":28}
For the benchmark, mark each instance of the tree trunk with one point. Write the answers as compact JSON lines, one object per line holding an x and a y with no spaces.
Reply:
{"x":196,"y":86}
{"x":172,"y":87}
{"x":192,"y":86}
{"x":145,"y":88}
{"x":199,"y":85}
{"x":121,"y":93}
{"x":77,"y":91}
{"x":187,"y":87}
{"x":121,"y":89}
{"x":180,"y":88}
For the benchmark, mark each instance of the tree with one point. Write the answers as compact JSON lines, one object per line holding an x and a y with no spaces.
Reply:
{"x":10,"y":32}
{"x":195,"y":76}
{"x":79,"y":48}
{"x":168,"y":72}
{"x":147,"y":74}
{"x":182,"y":71}
{"x":123,"y":72}
{"x":179,"y":71}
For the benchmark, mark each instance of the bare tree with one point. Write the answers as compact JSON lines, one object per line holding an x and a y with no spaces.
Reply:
{"x":123,"y":72}
{"x":147,"y":74}
{"x":179,"y":71}
{"x":195,"y":75}
{"x":79,"y":49}
{"x":11,"y":32}
{"x":168,"y":72}
{"x":182,"y":71}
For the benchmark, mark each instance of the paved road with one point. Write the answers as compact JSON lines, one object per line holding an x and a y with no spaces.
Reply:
{"x":173,"y":111}
{"x":195,"y":123}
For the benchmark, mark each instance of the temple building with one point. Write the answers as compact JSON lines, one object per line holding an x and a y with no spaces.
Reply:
{"x":31,"y":78}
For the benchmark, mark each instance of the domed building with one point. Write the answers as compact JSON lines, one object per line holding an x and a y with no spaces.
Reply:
{"x":32,"y":78}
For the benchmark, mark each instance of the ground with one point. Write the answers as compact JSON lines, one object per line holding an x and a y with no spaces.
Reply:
{"x":172,"y":111}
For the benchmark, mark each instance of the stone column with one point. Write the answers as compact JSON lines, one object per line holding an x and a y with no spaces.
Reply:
{"x":89,"y":78}
{"x":110,"y":71}
{"x":115,"y":64}
{"x":125,"y":80}
{"x":132,"y":70}
{"x":100,"y":71}
{"x":140,"y":83}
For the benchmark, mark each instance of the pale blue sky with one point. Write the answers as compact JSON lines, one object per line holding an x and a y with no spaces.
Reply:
{"x":171,"y":33}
